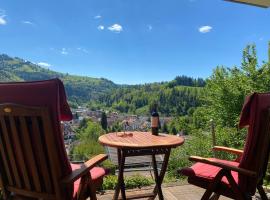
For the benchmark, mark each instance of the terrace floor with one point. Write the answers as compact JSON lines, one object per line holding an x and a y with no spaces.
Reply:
{"x":170,"y":192}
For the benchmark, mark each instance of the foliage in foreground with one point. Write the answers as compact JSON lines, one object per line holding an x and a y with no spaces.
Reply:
{"x":200,"y":144}
{"x":223,"y":98}
{"x":134,"y":181}
{"x":227,"y":88}
{"x":88,"y":146}
{"x":196,"y":145}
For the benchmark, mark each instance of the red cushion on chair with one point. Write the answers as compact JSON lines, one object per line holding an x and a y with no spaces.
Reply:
{"x":208,"y":172}
{"x":97,"y":174}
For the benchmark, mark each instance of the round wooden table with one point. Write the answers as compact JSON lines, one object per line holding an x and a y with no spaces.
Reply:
{"x":137,"y":144}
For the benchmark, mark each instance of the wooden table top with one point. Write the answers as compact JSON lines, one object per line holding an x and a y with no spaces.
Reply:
{"x":134,"y":139}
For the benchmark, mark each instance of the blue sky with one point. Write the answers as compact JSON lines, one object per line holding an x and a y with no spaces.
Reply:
{"x":132,"y":41}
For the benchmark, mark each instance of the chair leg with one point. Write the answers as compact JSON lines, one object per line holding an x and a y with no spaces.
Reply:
{"x":248,"y":198}
{"x":238,"y":194}
{"x":215,"y":196}
{"x":262,"y":192}
{"x":92,"y":189}
{"x":207,"y":195}
{"x":86,"y":188}
{"x":213,"y":185}
{"x":5,"y":194}
{"x":81,"y":194}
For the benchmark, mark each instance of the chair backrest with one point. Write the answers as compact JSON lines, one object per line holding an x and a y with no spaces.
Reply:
{"x":33,"y":157}
{"x":256,"y":115}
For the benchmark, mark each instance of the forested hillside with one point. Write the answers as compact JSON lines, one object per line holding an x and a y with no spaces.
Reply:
{"x":171,"y":101}
{"x":79,"y":89}
{"x":175,"y":97}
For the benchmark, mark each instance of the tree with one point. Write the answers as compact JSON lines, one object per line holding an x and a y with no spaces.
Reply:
{"x":116,"y":127}
{"x":227,"y":88}
{"x":201,"y":118}
{"x":103,"y":121}
{"x":88,"y":141}
{"x":174,"y":131}
{"x":269,"y":51}
{"x":91,"y":131}
{"x":83,"y":123}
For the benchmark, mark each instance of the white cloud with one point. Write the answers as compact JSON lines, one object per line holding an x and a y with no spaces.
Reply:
{"x":82,"y":50}
{"x":44,"y":64}
{"x":97,"y":17}
{"x":2,"y":17}
{"x":28,"y":22}
{"x":150,"y":27}
{"x":100,"y":27}
{"x":64,"y":51}
{"x":205,"y":29}
{"x":117,"y":28}
{"x":2,"y":20}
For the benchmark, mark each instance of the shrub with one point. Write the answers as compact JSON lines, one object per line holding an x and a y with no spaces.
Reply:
{"x":109,"y":165}
{"x":87,"y":144}
{"x":134,"y":181}
{"x":230,"y":137}
{"x":109,"y":182}
{"x":199,"y":145}
{"x":85,"y":150}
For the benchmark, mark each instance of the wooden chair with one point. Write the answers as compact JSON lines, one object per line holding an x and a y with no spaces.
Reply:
{"x":33,"y":160}
{"x":238,"y":179}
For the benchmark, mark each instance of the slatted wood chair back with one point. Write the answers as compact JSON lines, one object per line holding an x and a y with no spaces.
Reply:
{"x":29,"y":165}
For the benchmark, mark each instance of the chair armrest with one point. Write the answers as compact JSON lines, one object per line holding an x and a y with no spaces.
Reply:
{"x":85,"y":168}
{"x":229,"y":150}
{"x":223,"y":165}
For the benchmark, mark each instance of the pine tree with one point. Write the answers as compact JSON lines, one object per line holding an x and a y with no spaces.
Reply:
{"x":174,"y":131}
{"x":103,"y":122}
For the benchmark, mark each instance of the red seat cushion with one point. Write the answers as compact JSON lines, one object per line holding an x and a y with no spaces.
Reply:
{"x":208,"y":172}
{"x":97,"y":174}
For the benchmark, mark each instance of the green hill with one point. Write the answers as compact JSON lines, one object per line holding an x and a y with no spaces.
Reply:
{"x":175,"y":97}
{"x":79,"y":88}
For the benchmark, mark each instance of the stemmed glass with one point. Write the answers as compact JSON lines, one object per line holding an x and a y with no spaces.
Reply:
{"x":125,"y":125}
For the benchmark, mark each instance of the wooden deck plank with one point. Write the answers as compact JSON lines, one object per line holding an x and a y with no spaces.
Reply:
{"x":177,"y":192}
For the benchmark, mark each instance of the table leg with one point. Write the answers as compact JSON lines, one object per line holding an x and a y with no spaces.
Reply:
{"x":120,"y":184}
{"x":157,"y":178}
{"x":162,"y":173}
{"x":117,"y":190}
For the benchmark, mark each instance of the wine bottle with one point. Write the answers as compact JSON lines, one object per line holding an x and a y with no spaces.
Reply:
{"x":154,"y":121}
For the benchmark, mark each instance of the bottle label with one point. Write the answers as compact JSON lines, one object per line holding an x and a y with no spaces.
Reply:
{"x":154,"y":122}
